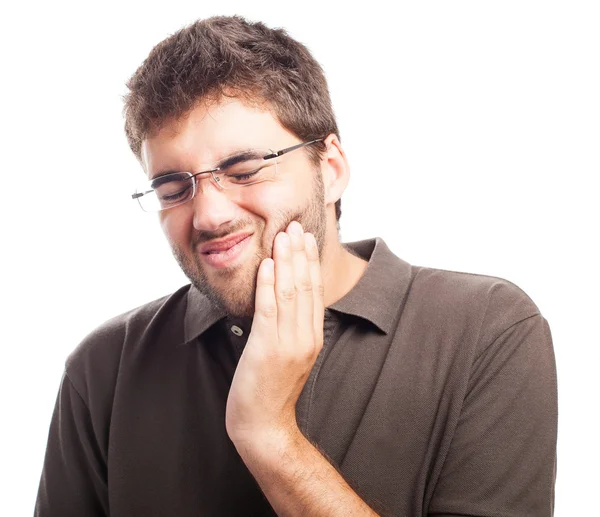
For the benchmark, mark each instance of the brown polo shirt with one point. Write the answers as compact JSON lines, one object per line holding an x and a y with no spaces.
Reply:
{"x":434,"y":394}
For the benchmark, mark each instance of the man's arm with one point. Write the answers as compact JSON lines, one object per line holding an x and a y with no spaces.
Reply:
{"x":285,"y":340}
{"x":298,"y":480}
{"x":73,"y":481}
{"x":502,"y":458}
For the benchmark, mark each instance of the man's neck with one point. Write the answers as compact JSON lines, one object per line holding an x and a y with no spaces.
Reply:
{"x":341,"y":271}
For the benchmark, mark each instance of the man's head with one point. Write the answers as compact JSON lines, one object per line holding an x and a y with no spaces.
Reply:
{"x":217,"y":87}
{"x":230,"y":57}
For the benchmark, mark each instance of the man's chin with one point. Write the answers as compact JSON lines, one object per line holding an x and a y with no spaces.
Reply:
{"x":230,"y":289}
{"x":233,"y":307}
{"x":235,"y":300}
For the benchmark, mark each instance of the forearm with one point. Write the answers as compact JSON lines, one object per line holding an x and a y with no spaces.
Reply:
{"x":298,"y":480}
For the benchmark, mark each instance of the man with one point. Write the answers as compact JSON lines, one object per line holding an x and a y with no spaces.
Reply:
{"x":296,"y":375}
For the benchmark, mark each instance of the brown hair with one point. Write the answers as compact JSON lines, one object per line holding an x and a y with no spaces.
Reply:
{"x":230,"y":56}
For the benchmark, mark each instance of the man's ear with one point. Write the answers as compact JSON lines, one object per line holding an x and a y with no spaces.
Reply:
{"x":335,"y":170}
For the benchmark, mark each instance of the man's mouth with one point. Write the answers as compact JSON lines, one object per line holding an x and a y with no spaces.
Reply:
{"x":223,"y":253}
{"x":222,"y":245}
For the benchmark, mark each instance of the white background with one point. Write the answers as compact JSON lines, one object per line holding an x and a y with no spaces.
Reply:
{"x":472,"y":129}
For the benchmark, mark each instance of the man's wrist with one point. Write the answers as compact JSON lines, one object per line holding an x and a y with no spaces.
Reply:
{"x":269,"y":446}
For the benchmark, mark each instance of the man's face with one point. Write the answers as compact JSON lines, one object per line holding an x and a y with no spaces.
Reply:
{"x":256,"y":213}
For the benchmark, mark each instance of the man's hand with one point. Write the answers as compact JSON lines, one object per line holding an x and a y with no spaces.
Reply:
{"x":284,"y":342}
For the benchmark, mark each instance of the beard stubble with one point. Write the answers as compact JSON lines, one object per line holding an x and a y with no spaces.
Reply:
{"x":235,"y":288}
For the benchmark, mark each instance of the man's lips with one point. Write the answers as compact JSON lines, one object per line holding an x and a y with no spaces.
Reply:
{"x":221,"y":245}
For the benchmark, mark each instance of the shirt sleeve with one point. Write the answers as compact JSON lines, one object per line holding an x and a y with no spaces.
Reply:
{"x":502,"y":459}
{"x":73,"y":481}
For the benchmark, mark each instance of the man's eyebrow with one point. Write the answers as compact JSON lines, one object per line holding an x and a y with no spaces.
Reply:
{"x":229,"y":161}
{"x":159,"y":179}
{"x":161,"y":174}
{"x":241,"y":156}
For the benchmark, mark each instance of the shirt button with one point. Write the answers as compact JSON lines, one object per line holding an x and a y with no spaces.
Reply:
{"x":237,"y":330}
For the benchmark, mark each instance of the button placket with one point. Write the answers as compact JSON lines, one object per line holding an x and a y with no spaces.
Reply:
{"x":238,"y":334}
{"x":330,"y":325}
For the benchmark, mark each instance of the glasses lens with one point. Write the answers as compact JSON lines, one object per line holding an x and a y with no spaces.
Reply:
{"x":166,"y":191}
{"x":237,"y":171}
{"x":246,"y":169}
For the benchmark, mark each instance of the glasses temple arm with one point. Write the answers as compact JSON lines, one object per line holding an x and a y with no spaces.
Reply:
{"x":140,"y":194}
{"x":289,"y":149}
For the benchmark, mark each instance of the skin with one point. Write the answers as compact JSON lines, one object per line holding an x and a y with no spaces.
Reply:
{"x":197,"y":142}
{"x":292,"y":269}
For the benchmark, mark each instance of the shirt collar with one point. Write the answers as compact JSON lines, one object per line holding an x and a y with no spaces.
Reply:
{"x":200,"y":314}
{"x":376,"y":297}
{"x":380,"y":292}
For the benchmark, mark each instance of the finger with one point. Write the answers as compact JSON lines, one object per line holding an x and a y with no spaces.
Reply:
{"x":303,"y":283}
{"x":264,"y":323}
{"x":285,"y":289}
{"x":314,"y":268}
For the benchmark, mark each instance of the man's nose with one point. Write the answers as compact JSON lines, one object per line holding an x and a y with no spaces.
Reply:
{"x":212,"y":206}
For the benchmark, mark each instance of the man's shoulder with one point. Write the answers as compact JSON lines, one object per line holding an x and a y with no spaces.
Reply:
{"x":464,"y":286}
{"x":491,"y":302}
{"x":99,"y":353}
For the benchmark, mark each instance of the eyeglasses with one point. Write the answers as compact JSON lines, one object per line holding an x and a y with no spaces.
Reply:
{"x":242,"y":169}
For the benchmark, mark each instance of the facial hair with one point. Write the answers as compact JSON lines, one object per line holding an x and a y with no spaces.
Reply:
{"x":236,"y":290}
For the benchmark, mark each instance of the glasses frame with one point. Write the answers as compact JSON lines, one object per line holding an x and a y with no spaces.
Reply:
{"x":270,"y":156}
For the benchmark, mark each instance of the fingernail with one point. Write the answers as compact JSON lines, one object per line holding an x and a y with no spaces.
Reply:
{"x":268,"y":265}
{"x":295,"y":228}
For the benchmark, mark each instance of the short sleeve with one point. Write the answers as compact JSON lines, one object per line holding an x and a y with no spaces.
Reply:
{"x":502,"y":458}
{"x":73,"y":481}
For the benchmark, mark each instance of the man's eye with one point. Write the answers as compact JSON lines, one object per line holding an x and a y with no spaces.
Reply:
{"x":175,"y":196}
{"x":244,"y":176}
{"x":173,"y":191}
